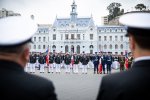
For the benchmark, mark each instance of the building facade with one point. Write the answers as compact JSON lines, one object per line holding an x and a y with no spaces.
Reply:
{"x":112,"y":39}
{"x":6,"y":13}
{"x":104,"y":20}
{"x":78,"y":35}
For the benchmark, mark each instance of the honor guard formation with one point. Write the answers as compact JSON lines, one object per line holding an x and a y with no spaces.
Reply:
{"x":17,"y":62}
{"x":101,"y":62}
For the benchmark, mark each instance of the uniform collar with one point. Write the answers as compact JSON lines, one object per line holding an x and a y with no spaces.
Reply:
{"x":142,"y":58}
{"x":10,"y":65}
{"x":142,"y":62}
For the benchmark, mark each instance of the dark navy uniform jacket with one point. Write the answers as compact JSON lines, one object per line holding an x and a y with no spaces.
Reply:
{"x":42,"y":60}
{"x":103,"y":59}
{"x":15,"y":84}
{"x":51,"y":59}
{"x":67,"y":60}
{"x":58,"y":59}
{"x":133,"y":84}
{"x":109,"y":60}
{"x":32,"y":59}
{"x":96,"y":60}
{"x":84,"y":60}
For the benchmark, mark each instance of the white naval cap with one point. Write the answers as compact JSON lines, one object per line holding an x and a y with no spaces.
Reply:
{"x":16,"y":30}
{"x":138,"y":23}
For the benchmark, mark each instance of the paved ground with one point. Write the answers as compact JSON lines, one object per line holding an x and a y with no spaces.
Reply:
{"x":75,"y":86}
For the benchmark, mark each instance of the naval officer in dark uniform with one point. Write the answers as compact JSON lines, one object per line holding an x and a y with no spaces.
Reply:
{"x":109,"y":61}
{"x":133,"y":84}
{"x":15,"y":84}
{"x":96,"y":62}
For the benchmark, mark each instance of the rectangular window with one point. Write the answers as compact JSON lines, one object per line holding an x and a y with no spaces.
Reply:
{"x":66,"y":36}
{"x":83,"y":36}
{"x":78,"y":36}
{"x":72,"y":36}
{"x":121,"y":38}
{"x":116,"y":38}
{"x":91,"y":36}
{"x":105,"y":38}
{"x":99,"y":38}
{"x":39,"y":47}
{"x":110,"y":38}
{"x":43,"y":46}
{"x":54,"y":36}
{"x":34,"y":39}
{"x":44,"y":39}
{"x":39,"y":39}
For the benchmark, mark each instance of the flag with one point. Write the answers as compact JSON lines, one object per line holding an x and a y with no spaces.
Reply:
{"x":126,"y":54}
{"x":126,"y":60}
{"x":72,"y":60}
{"x":47,"y":56}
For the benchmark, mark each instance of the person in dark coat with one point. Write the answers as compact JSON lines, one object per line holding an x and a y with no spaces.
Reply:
{"x":15,"y":83}
{"x":42,"y":61}
{"x":130,"y":60}
{"x":103,"y":59}
{"x":58,"y":60}
{"x":51,"y":61}
{"x":96,"y":62}
{"x":84,"y":62}
{"x":32,"y":63}
{"x":133,"y":84}
{"x":67,"y":61}
{"x":109,"y":60}
{"x":76,"y":63}
{"x":121,"y":61}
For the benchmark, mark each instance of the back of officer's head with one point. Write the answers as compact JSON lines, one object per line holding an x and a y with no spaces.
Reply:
{"x":15,"y":34}
{"x":138,"y":31}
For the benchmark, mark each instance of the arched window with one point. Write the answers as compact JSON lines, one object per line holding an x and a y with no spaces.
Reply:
{"x":100,"y":48}
{"x":34,"y":39}
{"x":91,"y":46}
{"x":110,"y":30}
{"x":116,"y":46}
{"x":39,"y":39}
{"x":110,"y":46}
{"x":34,"y":46}
{"x":44,"y":39}
{"x":43,"y":46}
{"x":54,"y":47}
{"x":66,"y":49}
{"x":105,"y":46}
{"x":39,"y":47}
{"x":121,"y":46}
{"x":78,"y":49}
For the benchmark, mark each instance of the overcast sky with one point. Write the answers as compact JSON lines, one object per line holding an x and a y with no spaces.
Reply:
{"x":45,"y":11}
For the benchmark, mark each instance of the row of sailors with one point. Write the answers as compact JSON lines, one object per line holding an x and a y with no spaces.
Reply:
{"x":104,"y":62}
{"x":57,"y":61}
{"x":100,"y":62}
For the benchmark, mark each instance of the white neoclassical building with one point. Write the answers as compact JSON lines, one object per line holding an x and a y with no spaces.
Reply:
{"x":76,"y":34}
{"x":112,"y":39}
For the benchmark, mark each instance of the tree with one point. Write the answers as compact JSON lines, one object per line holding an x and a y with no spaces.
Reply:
{"x":114,"y":10}
{"x":140,"y":7}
